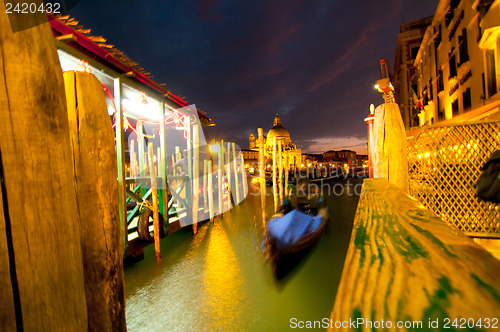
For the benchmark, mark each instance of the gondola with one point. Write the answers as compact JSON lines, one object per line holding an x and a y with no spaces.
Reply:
{"x":293,"y":231}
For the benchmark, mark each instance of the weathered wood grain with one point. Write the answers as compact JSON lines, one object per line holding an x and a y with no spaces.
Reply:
{"x":7,"y":306}
{"x":92,"y":143}
{"x":405,"y":263}
{"x":389,"y":146}
{"x":39,"y":182}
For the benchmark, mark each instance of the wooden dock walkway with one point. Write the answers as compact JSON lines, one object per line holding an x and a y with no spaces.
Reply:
{"x":405,"y":264}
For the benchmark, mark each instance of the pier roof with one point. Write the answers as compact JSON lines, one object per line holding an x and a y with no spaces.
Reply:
{"x":68,"y":29}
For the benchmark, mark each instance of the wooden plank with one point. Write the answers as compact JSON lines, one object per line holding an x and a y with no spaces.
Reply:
{"x":39,"y":182}
{"x":8,"y":283}
{"x":404,"y":263}
{"x":93,"y":147}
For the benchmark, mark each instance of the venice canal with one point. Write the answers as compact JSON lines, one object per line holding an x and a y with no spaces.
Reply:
{"x":219,"y":279}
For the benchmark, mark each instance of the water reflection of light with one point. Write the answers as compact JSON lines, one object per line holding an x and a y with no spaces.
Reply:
{"x":222,"y":283}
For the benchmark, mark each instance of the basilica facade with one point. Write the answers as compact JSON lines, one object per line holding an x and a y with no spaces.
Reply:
{"x":291,"y":154}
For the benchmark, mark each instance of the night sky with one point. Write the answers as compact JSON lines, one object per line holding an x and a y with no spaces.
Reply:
{"x":313,"y":62}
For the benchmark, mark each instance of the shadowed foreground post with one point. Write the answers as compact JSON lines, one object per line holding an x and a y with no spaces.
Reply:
{"x":404,"y":263}
{"x":93,"y":148}
{"x":41,"y":273}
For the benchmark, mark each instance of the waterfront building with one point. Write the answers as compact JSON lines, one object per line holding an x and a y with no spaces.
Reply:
{"x":340,"y":157}
{"x":282,"y":135}
{"x":407,"y":46}
{"x":457,"y":63}
{"x":251,"y":159}
{"x":311,"y":159}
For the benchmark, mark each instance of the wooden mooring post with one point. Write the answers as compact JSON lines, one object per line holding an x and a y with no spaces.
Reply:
{"x":228,"y":174}
{"x":219,"y":179}
{"x":196,"y":176}
{"x":236,"y":177}
{"x":389,"y":146}
{"x":154,"y":187}
{"x":287,"y":170}
{"x":97,"y":196}
{"x":275,"y":187}
{"x":243,"y":176}
{"x":262,"y":173}
{"x":280,"y":174}
{"x":38,"y":205}
{"x":42,"y":279}
{"x":211,"y":211}
{"x":205,"y":185}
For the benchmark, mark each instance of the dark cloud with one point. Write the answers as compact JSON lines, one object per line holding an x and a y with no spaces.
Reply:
{"x":314,"y":62}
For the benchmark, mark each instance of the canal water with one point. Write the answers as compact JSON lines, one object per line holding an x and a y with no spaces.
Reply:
{"x":219,"y":279}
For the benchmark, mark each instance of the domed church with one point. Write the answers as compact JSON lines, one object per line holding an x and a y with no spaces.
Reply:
{"x":282,"y":135}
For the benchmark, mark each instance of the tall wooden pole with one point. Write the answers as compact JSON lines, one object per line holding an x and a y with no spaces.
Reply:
{"x":235,"y":170}
{"x":369,"y":126}
{"x":96,"y":188}
{"x":227,"y":168}
{"x":280,"y":174}
{"x":132,"y":159}
{"x":154,"y":188}
{"x":189,"y":192}
{"x":140,"y":148}
{"x":178,"y":155}
{"x":275,"y":187}
{"x":120,"y":162}
{"x":262,"y":174}
{"x":243,"y":177}
{"x":219,"y":180}
{"x":41,"y":278}
{"x":211,"y":211}
{"x":287,"y":169}
{"x":205,"y":185}
{"x":162,"y":160}
{"x":196,"y":175}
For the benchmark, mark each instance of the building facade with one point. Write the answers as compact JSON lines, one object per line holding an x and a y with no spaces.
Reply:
{"x":281,"y":135}
{"x":407,"y":47}
{"x":457,"y":63}
{"x":341,"y":157}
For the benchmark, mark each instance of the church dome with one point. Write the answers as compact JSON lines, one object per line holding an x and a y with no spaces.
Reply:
{"x":278,"y":130}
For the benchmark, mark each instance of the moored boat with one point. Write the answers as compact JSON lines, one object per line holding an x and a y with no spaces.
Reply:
{"x":294,"y":230}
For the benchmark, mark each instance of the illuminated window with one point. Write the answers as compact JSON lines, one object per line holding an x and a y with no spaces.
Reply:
{"x":454,"y":107}
{"x":491,"y":72}
{"x":414,"y":52}
{"x":466,"y":99}
{"x":441,"y":115}
{"x":437,"y":39}
{"x":440,"y":85}
{"x":453,"y":66}
{"x":462,"y":47}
